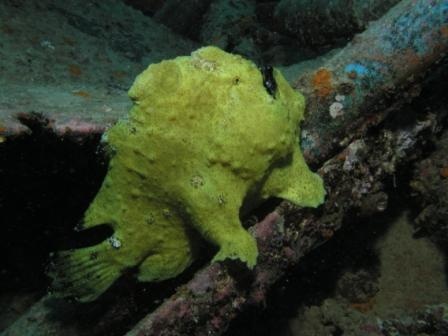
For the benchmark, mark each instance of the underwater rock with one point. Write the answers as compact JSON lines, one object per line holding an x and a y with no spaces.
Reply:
{"x":432,"y":320}
{"x":227,"y":24}
{"x":146,"y":6}
{"x":183,"y":16}
{"x":323,"y":22}
{"x":430,"y":185}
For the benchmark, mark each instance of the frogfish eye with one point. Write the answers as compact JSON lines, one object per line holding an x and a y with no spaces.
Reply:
{"x":268,"y":79}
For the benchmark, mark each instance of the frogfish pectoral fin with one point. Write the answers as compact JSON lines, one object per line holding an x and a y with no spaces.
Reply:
{"x":296,"y":183}
{"x":159,"y":267}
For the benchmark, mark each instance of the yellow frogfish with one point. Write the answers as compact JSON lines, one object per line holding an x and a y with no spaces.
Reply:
{"x":207,"y":139}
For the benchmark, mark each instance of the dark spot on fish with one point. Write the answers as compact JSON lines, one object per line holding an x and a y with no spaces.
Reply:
{"x":268,"y":79}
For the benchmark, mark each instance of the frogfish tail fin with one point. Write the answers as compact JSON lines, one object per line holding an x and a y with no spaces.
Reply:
{"x":83,"y":274}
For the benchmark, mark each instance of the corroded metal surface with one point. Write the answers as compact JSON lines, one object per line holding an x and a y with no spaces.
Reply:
{"x":74,"y":63}
{"x":356,"y":89}
{"x":379,"y":70}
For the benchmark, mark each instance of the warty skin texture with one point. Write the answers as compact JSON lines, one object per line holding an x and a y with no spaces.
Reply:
{"x":203,"y":142}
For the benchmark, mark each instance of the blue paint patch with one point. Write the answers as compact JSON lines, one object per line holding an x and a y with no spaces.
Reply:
{"x":412,"y":29}
{"x":368,"y":73}
{"x":357,"y":68}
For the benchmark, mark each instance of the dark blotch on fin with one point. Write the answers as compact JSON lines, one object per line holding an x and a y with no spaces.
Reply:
{"x":83,"y":274}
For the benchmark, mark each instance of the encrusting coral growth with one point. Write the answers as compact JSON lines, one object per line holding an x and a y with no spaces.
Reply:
{"x":190,"y":157}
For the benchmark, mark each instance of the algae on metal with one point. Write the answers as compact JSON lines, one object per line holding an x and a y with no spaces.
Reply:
{"x":204,"y":141}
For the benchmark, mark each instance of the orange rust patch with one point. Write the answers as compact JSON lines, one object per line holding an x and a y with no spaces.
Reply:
{"x":82,"y":93}
{"x":364,"y":307}
{"x":444,"y":172}
{"x":119,"y":74}
{"x":74,"y":70}
{"x":411,"y":58}
{"x":327,"y":233}
{"x":444,"y":31}
{"x":69,"y":41}
{"x":322,"y":82}
{"x":7,"y":29}
{"x":352,"y":75}
{"x":2,"y":138}
{"x":342,"y":155}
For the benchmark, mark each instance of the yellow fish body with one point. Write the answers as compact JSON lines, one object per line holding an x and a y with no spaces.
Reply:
{"x":204,"y":138}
